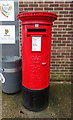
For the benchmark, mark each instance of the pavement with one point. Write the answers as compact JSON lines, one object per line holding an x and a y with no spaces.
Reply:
{"x":59,"y":104}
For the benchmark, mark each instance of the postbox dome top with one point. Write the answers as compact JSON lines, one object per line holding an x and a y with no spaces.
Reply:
{"x":37,"y":15}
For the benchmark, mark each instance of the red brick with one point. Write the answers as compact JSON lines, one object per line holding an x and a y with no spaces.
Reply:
{"x":20,"y":9}
{"x":57,"y":22}
{"x":67,"y":29}
{"x":69,"y":45}
{"x":38,"y":8}
{"x":28,"y":8}
{"x":53,"y":50}
{"x":68,"y":67}
{"x":68,"y":15}
{"x":68,"y":1}
{"x":43,"y":5}
{"x":62,"y":32}
{"x":63,"y":19}
{"x":63,"y":12}
{"x":69,"y":56}
{"x":64,"y":5}
{"x":64,"y":70}
{"x":20,"y":2}
{"x":53,"y":44}
{"x":61,"y":38}
{"x":59,"y":2}
{"x":60,"y":51}
{"x":33,"y":5}
{"x":66,"y":47}
{"x":62,"y":25}
{"x":55,"y":64}
{"x":55,"y":53}
{"x":48,"y":8}
{"x":56,"y":35}
{"x":71,"y":59}
{"x":69,"y":51}
{"x":66,"y":35}
{"x":64,"y":65}
{"x":62,"y":44}
{"x":65,"y":41}
{"x":57,"y":29}
{"x":70,"y":32}
{"x":60,"y":56}
{"x":58,"y":8}
{"x":57,"y":59}
{"x":59,"y":67}
{"x":70,"y":38}
{"x":70,"y":12}
{"x":48,"y":2}
{"x":68,"y":8}
{"x":52,"y":67}
{"x":57,"y":41}
{"x":71,"y":19}
{"x":54,"y":5}
{"x":23,"y":5}
{"x":67,"y":22}
{"x":54,"y":25}
{"x":53,"y":56}
{"x":56,"y":47}
{"x":53,"y":38}
{"x":71,"y":5}
{"x":53,"y":32}
{"x":60,"y":15}
{"x":70,"y":26}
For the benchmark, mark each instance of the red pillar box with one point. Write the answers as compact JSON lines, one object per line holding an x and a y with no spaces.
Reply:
{"x":36,"y":46}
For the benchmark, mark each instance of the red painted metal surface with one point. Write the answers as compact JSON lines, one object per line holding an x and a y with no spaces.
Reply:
{"x":36,"y":47}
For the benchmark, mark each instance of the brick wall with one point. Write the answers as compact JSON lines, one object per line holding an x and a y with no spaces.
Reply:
{"x":62,"y":35}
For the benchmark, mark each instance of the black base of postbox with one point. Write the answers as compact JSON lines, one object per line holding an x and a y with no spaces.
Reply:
{"x":35,"y":100}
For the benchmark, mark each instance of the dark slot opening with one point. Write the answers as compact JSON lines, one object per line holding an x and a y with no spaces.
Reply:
{"x":36,"y":30}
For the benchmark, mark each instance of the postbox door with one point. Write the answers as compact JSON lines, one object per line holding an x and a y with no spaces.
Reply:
{"x":36,"y":60}
{"x":40,"y":61}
